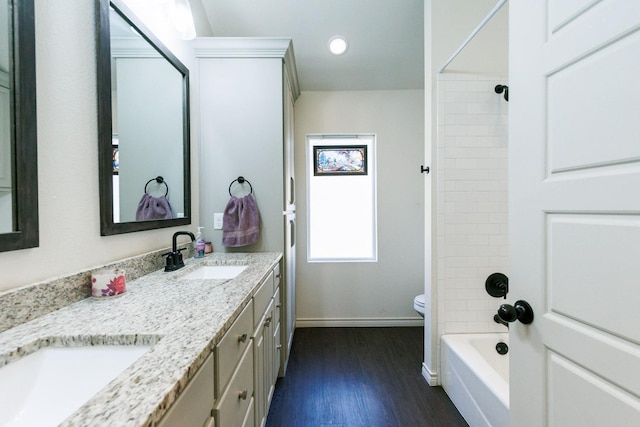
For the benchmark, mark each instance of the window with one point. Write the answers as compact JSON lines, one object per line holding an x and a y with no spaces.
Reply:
{"x":341,"y":198}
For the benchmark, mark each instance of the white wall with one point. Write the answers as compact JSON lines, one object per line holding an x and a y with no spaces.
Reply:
{"x":381,"y":293}
{"x":69,"y":214}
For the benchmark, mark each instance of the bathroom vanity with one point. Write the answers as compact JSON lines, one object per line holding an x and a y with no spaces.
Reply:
{"x":215,"y":345}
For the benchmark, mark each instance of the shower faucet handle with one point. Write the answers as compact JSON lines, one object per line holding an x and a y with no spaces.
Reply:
{"x":497,"y":285}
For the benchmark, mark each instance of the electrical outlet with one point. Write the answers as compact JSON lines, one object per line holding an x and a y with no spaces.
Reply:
{"x":217,"y":221}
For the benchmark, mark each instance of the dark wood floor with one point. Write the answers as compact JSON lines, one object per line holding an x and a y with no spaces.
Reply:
{"x":353,"y":377}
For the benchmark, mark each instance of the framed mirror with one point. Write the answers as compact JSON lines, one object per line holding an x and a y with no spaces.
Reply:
{"x":18,"y":132}
{"x":143,"y":126}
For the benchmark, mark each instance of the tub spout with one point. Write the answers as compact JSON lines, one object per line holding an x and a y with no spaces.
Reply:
{"x":497,"y":319}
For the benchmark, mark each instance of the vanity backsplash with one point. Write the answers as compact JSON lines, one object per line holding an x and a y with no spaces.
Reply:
{"x":32,"y":301}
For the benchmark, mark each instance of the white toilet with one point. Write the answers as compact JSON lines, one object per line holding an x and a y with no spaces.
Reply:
{"x":418,"y":304}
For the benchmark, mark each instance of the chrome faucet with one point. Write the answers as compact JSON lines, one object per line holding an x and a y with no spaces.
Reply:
{"x":174,"y":258}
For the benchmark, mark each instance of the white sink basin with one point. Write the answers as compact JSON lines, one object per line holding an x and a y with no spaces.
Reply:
{"x":216,"y":272}
{"x":46,"y":387}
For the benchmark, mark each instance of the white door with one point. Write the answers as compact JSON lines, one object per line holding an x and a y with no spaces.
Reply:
{"x":575,"y":211}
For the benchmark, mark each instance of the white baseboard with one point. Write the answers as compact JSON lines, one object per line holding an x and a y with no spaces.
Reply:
{"x":430,"y":377}
{"x":360,"y":322}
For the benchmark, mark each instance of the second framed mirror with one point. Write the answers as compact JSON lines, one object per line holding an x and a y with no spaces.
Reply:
{"x":143,"y":120}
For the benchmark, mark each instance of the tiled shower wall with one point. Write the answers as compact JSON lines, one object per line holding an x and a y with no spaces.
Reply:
{"x":471,"y":200}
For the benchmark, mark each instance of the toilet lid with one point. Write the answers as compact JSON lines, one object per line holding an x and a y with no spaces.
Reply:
{"x":419,"y":300}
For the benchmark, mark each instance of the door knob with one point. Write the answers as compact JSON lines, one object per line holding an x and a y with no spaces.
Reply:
{"x":521,"y":311}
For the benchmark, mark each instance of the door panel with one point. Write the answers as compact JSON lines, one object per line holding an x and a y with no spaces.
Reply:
{"x":569,"y":409}
{"x":607,"y":355}
{"x":574,"y":211}
{"x":579,"y":286}
{"x":580,"y":97}
{"x":562,"y":13}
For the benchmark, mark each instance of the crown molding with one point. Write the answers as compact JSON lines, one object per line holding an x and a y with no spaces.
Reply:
{"x":251,"y":47}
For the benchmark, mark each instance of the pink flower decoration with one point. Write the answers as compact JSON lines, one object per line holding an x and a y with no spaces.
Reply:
{"x":119,"y":284}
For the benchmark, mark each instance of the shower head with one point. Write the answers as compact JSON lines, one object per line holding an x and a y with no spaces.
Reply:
{"x":505,"y":89}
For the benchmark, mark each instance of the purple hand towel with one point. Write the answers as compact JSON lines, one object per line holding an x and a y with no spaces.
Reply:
{"x":241,"y":222}
{"x":150,"y":208}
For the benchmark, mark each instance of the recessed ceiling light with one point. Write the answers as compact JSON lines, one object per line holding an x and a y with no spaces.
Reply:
{"x":338,"y":45}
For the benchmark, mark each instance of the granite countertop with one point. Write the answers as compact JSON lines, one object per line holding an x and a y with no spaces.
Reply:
{"x":182,"y":319}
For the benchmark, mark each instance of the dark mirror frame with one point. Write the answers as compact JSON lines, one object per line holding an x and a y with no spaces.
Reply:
{"x":24,"y":167}
{"x":105,"y":153}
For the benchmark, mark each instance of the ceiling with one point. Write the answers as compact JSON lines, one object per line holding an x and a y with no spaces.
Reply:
{"x":386,"y":42}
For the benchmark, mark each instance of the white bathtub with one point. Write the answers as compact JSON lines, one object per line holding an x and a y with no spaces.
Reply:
{"x":476,"y":377}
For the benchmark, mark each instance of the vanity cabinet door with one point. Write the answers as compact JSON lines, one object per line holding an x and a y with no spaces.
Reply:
{"x":276,"y":343}
{"x":263,"y":367}
{"x":193,"y":406}
{"x":266,"y":343}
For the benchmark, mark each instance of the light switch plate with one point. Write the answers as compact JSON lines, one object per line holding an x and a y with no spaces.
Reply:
{"x":217,"y":221}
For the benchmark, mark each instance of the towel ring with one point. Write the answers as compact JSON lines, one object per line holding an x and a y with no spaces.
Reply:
{"x":241,"y":180}
{"x":159,"y":180}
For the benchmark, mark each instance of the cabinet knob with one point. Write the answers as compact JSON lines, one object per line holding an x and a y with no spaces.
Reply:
{"x":279,"y":346}
{"x":267,"y":321}
{"x":242,"y":395}
{"x":242,"y":338}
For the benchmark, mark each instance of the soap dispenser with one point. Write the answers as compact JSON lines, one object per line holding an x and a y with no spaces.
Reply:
{"x":200,"y":243}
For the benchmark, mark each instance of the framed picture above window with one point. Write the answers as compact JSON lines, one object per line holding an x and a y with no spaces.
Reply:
{"x":340,"y":160}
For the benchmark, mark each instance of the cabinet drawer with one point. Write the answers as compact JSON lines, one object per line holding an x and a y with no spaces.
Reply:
{"x":231,"y":347}
{"x":231,"y":409}
{"x":193,"y":406}
{"x":262,"y":298}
